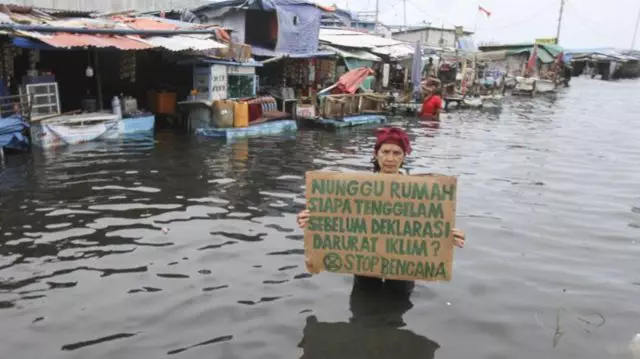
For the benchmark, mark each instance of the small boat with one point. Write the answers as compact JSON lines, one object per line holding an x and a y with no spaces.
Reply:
{"x":406,"y":107}
{"x":524,"y":86}
{"x":140,"y":124}
{"x":75,"y":129}
{"x":274,"y":127}
{"x":545,"y":86}
{"x":472,"y":102}
{"x":346,"y":121}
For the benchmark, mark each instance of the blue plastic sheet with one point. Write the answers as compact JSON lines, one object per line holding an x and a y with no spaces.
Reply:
{"x":298,"y":29}
{"x":11,"y":133}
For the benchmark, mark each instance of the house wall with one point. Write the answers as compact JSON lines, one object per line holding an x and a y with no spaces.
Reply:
{"x":429,"y":37}
{"x":111,"y":5}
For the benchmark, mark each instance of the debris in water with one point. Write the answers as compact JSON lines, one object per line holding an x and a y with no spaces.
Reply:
{"x":165,"y":230}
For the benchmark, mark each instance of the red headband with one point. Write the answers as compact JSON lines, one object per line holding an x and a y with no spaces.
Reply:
{"x":393,"y":135}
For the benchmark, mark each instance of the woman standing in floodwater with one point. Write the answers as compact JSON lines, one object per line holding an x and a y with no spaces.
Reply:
{"x":391,"y":148}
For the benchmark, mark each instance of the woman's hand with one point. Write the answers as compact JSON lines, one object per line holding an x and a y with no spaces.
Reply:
{"x":458,"y":237}
{"x":303,"y":218}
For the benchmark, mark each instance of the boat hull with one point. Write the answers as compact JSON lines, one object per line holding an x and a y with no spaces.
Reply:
{"x":347,"y":121}
{"x":137,"y":125}
{"x":544,"y":86}
{"x":88,"y":127}
{"x":262,"y":129}
{"x":51,"y":135}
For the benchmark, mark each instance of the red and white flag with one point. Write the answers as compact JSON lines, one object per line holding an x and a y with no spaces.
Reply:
{"x":487,"y":12}
{"x":531,"y":64}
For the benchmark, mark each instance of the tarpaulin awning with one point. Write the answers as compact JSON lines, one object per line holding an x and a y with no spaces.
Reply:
{"x":351,"y":81}
{"x":543,"y":55}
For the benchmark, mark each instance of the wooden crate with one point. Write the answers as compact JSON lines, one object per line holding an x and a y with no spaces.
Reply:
{"x":371,"y":103}
{"x":333,"y":106}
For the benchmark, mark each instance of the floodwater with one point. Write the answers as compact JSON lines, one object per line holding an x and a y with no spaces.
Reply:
{"x":187,"y":248}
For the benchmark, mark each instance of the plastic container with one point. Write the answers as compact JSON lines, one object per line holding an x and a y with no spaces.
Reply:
{"x":115,"y":106}
{"x":223,"y":113}
{"x":162,"y":102}
{"x":306,"y":111}
{"x":241,"y":114}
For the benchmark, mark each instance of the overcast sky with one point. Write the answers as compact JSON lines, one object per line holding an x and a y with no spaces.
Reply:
{"x":586,"y":23}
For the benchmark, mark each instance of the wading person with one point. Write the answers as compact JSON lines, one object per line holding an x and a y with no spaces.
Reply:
{"x":391,"y":148}
{"x":432,"y":106}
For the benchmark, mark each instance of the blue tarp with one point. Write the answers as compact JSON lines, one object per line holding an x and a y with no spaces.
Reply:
{"x":25,"y":43}
{"x":298,"y":29}
{"x":298,"y":22}
{"x":11,"y":129}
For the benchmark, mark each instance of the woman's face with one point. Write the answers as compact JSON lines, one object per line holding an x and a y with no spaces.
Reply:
{"x":390,"y":157}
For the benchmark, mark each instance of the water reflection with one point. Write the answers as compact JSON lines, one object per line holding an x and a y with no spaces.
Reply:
{"x":373,"y":331}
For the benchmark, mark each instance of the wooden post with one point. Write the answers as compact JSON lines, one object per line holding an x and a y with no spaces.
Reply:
{"x":98,"y":80}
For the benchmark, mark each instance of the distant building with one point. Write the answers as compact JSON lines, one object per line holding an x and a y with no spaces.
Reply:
{"x":110,"y":5}
{"x":363,"y":20}
{"x":429,"y":36}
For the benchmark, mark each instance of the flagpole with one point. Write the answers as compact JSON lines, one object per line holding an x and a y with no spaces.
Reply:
{"x":559,"y":22}
{"x":635,"y":33}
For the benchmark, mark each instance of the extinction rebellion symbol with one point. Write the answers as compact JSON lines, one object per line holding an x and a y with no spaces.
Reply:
{"x":332,"y":262}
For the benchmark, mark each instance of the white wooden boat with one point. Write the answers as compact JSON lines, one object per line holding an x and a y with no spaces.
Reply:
{"x":544,"y":86}
{"x":74,"y":129}
{"x":524,"y":86}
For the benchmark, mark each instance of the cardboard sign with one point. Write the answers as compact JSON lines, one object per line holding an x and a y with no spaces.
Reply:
{"x":385,"y":226}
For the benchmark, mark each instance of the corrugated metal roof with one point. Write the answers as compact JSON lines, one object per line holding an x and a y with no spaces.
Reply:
{"x":397,"y":51}
{"x":491,"y":55}
{"x":356,"y":54}
{"x":183,"y":42}
{"x":261,"y":51}
{"x":145,"y":23}
{"x":64,"y":40}
{"x":543,"y":55}
{"x":359,"y":41}
{"x":178,"y":42}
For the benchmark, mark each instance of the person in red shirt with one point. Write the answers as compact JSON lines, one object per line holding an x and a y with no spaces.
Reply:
{"x":432,"y":106}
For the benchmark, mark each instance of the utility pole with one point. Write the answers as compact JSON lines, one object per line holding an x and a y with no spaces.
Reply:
{"x":404,"y":6}
{"x":559,"y":21}
{"x":377,"y":12}
{"x":633,"y":41}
